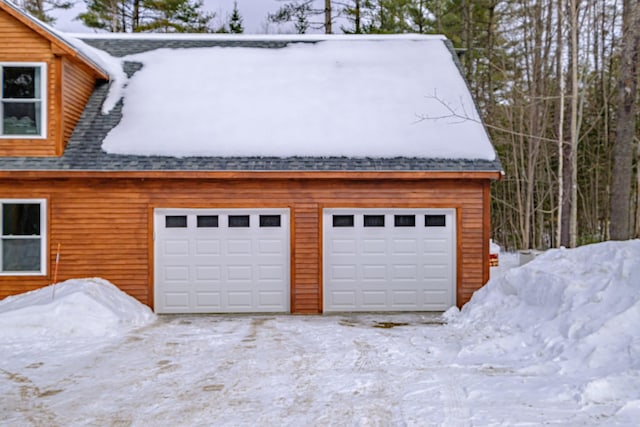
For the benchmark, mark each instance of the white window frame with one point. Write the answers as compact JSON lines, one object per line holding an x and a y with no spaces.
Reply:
{"x":43,"y":99}
{"x":43,"y":236}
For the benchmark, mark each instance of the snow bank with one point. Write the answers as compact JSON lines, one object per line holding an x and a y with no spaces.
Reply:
{"x":349,"y":97}
{"x":576,"y":311}
{"x":77,"y":307}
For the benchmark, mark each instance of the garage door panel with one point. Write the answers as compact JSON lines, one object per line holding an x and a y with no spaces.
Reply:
{"x":204,"y":265}
{"x":405,"y":299}
{"x":177,"y":300}
{"x":343,"y":299}
{"x":271,"y":273}
{"x":270,"y":299}
{"x":239,"y":272}
{"x":404,"y":272}
{"x":271,"y":247}
{"x":374,"y":272}
{"x":374,"y":246}
{"x":207,"y":247}
{"x":241,"y":247}
{"x":176,"y":247}
{"x":343,"y":272}
{"x":211,"y":300}
{"x":176,"y":273}
{"x":404,"y":246}
{"x":372,"y":298}
{"x":343,"y":246}
{"x":387,"y":259}
{"x":432,"y":271}
{"x":208,"y":273}
{"x":240,"y":299}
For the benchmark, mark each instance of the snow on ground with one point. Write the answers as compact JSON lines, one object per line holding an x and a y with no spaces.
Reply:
{"x":74,"y":308}
{"x":554,"y":342}
{"x":343,"y":96}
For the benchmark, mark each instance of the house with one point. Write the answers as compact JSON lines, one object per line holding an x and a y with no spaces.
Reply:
{"x":213,"y":173}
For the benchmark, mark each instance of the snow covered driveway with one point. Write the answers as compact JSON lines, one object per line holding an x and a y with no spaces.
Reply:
{"x":554,"y":342}
{"x":364,"y":370}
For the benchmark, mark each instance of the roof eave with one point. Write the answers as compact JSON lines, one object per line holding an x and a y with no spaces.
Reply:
{"x":64,"y":47}
{"x":253,"y":174}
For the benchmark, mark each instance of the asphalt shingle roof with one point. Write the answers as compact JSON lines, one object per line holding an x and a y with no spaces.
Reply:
{"x":84,"y":152}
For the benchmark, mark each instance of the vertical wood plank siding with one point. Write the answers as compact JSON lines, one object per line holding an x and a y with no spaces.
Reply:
{"x":103,"y":224}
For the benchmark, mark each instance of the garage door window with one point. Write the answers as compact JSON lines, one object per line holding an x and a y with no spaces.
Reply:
{"x":269,"y":220}
{"x":404,"y":220}
{"x":175,"y":221}
{"x":435,"y":221}
{"x":343,"y":220}
{"x":207,"y":221}
{"x":22,"y":242}
{"x":374,"y":220}
{"x":238,"y":221}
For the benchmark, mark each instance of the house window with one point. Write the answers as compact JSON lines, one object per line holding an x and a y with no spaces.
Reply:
{"x":22,"y":100}
{"x":23,"y":238}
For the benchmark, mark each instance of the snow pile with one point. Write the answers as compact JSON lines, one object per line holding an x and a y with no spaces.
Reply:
{"x":576,"y":311}
{"x":347,"y":97}
{"x":77,"y":307}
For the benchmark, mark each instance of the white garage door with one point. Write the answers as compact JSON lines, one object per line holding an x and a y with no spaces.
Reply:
{"x":221,"y":261}
{"x":389,"y":259}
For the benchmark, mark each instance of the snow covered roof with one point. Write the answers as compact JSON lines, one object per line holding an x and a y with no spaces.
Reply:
{"x":354,"y":97}
{"x":276,"y":103}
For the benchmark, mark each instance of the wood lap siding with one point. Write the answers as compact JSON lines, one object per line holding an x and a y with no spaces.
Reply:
{"x":306,"y":294}
{"x":21,"y":44}
{"x":77,"y":86}
{"x":69,"y":86}
{"x":103,"y":224}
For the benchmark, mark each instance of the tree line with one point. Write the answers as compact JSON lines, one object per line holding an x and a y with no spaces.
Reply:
{"x":133,"y":16}
{"x":556,"y":82}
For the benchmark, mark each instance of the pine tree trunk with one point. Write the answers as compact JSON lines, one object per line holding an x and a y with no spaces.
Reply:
{"x":560,"y":124}
{"x":573,"y":222}
{"x":625,"y":124}
{"x":327,"y":17}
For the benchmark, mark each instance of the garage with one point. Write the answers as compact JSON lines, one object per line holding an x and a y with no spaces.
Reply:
{"x":389,"y":259}
{"x":221,"y":260}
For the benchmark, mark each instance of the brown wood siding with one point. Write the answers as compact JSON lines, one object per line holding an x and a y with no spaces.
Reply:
{"x":77,"y":86}
{"x":18,"y":43}
{"x":103,"y":225}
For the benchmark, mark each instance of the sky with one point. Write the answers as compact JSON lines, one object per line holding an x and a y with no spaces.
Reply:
{"x":254,"y":14}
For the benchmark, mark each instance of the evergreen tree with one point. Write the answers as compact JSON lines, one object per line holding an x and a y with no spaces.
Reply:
{"x":120,"y":16}
{"x":115,"y":16}
{"x":175,"y":16}
{"x":235,"y":21}
{"x":41,"y":8}
{"x":298,"y":11}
